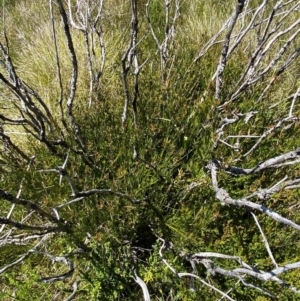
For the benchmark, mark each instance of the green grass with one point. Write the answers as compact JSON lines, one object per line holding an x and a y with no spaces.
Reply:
{"x":177,"y":120}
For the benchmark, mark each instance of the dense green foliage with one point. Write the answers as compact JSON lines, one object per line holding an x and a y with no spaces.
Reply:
{"x":154,"y":169}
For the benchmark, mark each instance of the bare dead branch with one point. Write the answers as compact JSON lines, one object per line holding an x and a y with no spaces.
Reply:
{"x":88,"y":19}
{"x":26,"y":255}
{"x":21,"y":226}
{"x":74,"y":76}
{"x":143,"y":286}
{"x":61,"y":170}
{"x":19,"y":192}
{"x":163,"y":246}
{"x":58,"y":65}
{"x":129,"y":58}
{"x":20,"y":239}
{"x":223,"y":58}
{"x":246,"y":269}
{"x":28,"y":204}
{"x":290,"y":157}
{"x":265,"y":241}
{"x":54,"y":259}
{"x":252,"y":75}
{"x":212,"y":41}
{"x":75,"y":288}
{"x":8,"y":145}
{"x":223,"y":196}
{"x":164,"y":45}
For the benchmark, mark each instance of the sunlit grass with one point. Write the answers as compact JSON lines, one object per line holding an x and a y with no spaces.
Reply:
{"x":177,"y":122}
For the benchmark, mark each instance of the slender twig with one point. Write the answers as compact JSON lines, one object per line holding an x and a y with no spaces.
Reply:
{"x":18,"y":194}
{"x":265,"y":241}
